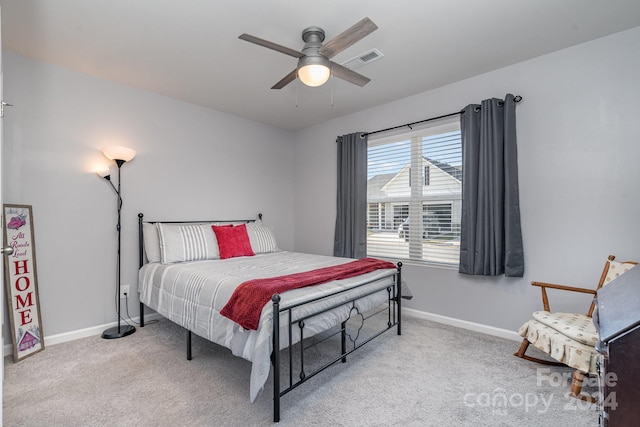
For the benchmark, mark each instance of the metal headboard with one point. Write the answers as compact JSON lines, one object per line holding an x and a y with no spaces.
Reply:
{"x":142,"y":221}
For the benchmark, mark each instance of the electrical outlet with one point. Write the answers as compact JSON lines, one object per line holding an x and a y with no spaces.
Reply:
{"x":124,"y":291}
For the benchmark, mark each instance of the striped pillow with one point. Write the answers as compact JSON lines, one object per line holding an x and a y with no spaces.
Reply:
{"x":187,"y":242}
{"x":261,"y":238}
{"x":151,"y":242}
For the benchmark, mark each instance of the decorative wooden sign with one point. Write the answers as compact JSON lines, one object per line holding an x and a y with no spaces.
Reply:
{"x":21,"y":282}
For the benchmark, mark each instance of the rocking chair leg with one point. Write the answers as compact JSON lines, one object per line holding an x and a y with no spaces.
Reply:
{"x":578,"y":376}
{"x":522,"y":349}
{"x":576,"y":387}
{"x":576,"y":384}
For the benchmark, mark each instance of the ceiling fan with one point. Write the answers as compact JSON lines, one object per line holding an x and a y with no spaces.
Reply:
{"x":314,"y":61}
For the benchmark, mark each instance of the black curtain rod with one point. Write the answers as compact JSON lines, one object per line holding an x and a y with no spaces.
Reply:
{"x":517,"y":98}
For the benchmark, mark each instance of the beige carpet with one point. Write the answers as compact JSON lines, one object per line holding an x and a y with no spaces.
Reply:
{"x":432,"y":375}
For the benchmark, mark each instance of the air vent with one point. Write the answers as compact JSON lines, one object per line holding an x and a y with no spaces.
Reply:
{"x":363,"y":59}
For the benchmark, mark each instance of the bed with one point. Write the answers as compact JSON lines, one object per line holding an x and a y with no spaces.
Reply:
{"x":191,"y":272}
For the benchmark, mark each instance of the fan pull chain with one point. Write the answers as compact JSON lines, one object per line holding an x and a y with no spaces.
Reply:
{"x":331,"y":104}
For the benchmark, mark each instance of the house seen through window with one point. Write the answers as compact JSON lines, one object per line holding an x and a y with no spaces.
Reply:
{"x":416,"y":222}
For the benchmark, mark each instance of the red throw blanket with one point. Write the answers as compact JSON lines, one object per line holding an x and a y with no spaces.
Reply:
{"x":246,"y":303}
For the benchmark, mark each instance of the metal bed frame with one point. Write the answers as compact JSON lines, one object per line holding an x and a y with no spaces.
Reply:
{"x":392,"y":310}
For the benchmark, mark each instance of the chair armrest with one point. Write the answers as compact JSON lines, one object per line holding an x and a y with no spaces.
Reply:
{"x":543,"y":287}
{"x":564,"y":287}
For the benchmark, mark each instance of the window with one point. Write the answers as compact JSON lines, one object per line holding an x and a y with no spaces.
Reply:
{"x":426,"y":176}
{"x":419,"y":223}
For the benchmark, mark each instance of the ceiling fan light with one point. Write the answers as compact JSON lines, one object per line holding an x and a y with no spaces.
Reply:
{"x":314,"y":69}
{"x":314,"y":75}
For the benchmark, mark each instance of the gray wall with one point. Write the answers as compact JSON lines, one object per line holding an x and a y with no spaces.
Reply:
{"x":192,"y":163}
{"x":578,"y":137}
{"x":579,"y":153}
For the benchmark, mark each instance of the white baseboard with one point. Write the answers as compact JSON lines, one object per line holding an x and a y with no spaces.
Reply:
{"x":476,"y":327}
{"x":80,"y":333}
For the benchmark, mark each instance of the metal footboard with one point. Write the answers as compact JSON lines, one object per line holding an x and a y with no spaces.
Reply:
{"x":394,"y":319}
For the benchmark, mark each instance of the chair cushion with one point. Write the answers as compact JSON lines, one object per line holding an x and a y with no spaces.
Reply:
{"x":617,"y":269}
{"x":576,"y":326}
{"x":562,"y":348}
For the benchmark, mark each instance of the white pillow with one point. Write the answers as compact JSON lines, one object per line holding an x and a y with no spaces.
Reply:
{"x":151,"y":242}
{"x":187,"y":242}
{"x":261,"y":238}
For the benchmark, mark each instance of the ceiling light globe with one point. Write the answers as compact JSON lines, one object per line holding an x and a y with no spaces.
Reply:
{"x":314,"y":74}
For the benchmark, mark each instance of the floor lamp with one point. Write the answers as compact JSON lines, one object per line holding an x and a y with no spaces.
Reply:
{"x":120,"y":155}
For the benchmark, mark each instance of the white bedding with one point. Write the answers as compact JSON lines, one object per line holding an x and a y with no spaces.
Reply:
{"x":192,"y":294}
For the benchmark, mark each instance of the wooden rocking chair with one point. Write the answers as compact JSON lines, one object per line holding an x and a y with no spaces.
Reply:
{"x":566,"y":337}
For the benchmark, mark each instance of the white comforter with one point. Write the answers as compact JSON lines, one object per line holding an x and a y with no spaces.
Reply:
{"x":192,"y":294}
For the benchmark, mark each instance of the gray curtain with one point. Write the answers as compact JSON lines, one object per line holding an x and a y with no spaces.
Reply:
{"x":351,"y":223}
{"x":491,"y":238}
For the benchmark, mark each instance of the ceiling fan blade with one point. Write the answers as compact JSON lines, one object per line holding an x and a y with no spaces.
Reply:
{"x":271,"y":45}
{"x":349,"y":75}
{"x":348,"y":37}
{"x":286,"y":79}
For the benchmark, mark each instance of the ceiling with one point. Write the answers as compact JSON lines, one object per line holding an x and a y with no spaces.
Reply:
{"x":189,"y":49}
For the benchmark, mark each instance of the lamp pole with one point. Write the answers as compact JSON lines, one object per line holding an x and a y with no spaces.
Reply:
{"x":119,"y":331}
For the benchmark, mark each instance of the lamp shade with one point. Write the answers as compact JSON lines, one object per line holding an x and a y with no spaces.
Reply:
{"x":115,"y":152}
{"x":104,"y":173}
{"x":314,"y":70}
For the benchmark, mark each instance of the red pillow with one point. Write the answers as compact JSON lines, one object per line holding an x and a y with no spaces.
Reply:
{"x":233,"y":241}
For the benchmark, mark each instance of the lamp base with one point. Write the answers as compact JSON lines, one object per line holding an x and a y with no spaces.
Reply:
{"x":118,"y":332}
